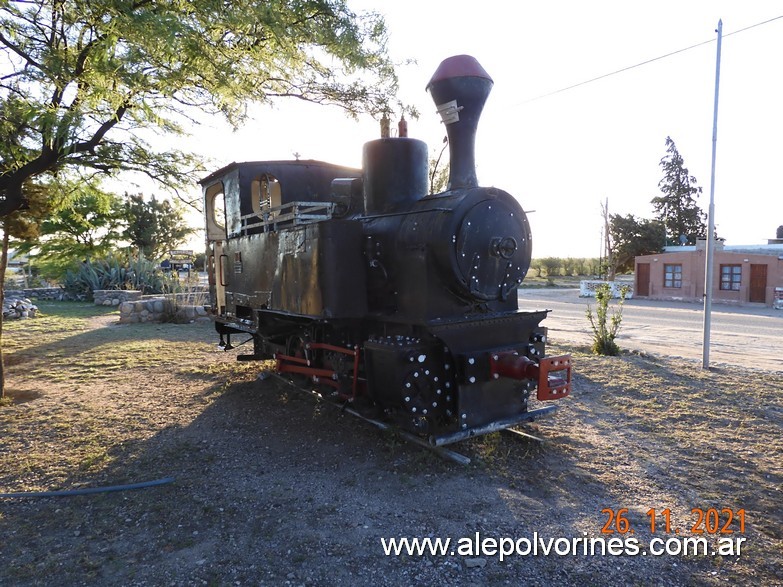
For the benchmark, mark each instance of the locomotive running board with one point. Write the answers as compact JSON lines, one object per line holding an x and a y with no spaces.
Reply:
{"x":497,"y":425}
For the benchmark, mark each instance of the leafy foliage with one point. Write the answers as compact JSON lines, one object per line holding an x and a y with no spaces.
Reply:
{"x":569,"y":266}
{"x":25,"y":224}
{"x":439,"y":170}
{"x":630,"y":237}
{"x":116,"y":273}
{"x":605,"y":327}
{"x":84,"y":81}
{"x":552,"y":265}
{"x":677,"y":208}
{"x":155,"y":226}
{"x":85,"y":226}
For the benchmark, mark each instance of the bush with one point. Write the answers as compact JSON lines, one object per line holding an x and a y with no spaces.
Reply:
{"x":552,"y":265}
{"x":603,"y":333}
{"x":115,"y":273}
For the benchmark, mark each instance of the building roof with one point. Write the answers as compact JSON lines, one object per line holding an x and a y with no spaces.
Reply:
{"x":768,"y":249}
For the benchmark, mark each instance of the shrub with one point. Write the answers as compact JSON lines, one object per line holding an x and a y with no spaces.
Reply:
{"x":115,"y":273}
{"x":603,"y":333}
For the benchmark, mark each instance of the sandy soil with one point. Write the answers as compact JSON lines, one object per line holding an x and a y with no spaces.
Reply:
{"x":273,"y":488}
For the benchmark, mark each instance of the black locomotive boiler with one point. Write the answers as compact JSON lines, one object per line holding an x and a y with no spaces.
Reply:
{"x":380,"y":293}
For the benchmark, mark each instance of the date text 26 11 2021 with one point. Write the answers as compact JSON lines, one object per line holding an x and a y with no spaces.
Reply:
{"x":703,"y":521}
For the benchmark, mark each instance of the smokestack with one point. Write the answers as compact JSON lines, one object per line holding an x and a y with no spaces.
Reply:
{"x":460,"y":87}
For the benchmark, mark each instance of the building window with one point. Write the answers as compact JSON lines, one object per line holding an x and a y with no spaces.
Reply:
{"x":672,"y":275}
{"x":730,"y":277}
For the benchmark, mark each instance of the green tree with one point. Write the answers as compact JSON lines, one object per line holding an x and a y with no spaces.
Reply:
{"x":677,"y":208}
{"x":86,"y":226}
{"x":83,"y":81}
{"x":537,"y":266}
{"x":154,"y":227}
{"x":552,"y":265}
{"x":630,"y":237}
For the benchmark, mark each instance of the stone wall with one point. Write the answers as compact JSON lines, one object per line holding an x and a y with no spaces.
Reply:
{"x":114,"y":297}
{"x":161,"y":309}
{"x":36,"y":293}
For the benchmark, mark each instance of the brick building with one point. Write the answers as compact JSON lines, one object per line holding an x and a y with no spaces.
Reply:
{"x":741,"y":274}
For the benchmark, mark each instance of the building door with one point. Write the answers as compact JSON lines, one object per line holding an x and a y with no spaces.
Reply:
{"x":758,"y":283}
{"x":643,"y":279}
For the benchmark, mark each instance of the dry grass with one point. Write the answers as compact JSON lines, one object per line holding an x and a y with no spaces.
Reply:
{"x":96,"y":403}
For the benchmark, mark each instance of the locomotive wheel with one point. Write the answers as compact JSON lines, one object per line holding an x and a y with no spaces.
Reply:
{"x":295,"y":347}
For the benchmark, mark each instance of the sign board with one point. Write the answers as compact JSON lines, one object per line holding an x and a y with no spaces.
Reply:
{"x":181,"y":255}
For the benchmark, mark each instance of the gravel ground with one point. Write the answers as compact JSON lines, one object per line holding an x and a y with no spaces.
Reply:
{"x":274,"y":488}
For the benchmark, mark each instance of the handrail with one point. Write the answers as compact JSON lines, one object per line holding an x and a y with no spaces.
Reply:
{"x":295,"y":213}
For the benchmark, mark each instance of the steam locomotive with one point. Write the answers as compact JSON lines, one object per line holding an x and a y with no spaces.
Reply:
{"x":379,"y":293}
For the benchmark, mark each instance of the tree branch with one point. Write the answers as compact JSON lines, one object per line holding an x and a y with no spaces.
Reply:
{"x":90,"y":145}
{"x":19,"y":52}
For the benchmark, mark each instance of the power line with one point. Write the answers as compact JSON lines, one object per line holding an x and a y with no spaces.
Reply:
{"x":654,"y":59}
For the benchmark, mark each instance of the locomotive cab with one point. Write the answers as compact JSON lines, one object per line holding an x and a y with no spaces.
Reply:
{"x":273,"y":250}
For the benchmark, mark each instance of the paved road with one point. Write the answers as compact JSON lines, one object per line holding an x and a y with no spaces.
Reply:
{"x":751,"y":337}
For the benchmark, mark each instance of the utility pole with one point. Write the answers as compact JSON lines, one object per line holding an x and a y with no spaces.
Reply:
{"x":708,"y":270}
{"x":607,"y":242}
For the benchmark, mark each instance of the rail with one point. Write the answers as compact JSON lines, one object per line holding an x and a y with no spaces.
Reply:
{"x":293,"y":213}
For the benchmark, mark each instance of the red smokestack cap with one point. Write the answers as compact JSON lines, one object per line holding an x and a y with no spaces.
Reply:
{"x":458,"y":66}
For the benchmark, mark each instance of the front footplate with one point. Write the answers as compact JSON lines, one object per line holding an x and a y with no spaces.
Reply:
{"x":495,"y":426}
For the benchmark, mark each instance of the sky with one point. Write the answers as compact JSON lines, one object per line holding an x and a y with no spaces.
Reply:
{"x":563,"y":153}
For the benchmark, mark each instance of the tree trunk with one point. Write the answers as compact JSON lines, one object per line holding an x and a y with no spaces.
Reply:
{"x":3,"y":265}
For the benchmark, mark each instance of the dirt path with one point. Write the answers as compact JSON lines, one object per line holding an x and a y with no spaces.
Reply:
{"x":272,"y":488}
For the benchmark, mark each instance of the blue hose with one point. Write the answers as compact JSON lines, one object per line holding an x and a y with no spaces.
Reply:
{"x":90,"y":490}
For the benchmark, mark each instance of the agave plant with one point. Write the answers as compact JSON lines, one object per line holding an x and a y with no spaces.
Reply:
{"x":116,"y":273}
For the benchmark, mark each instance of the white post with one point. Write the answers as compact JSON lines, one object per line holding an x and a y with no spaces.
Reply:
{"x":708,"y":273}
